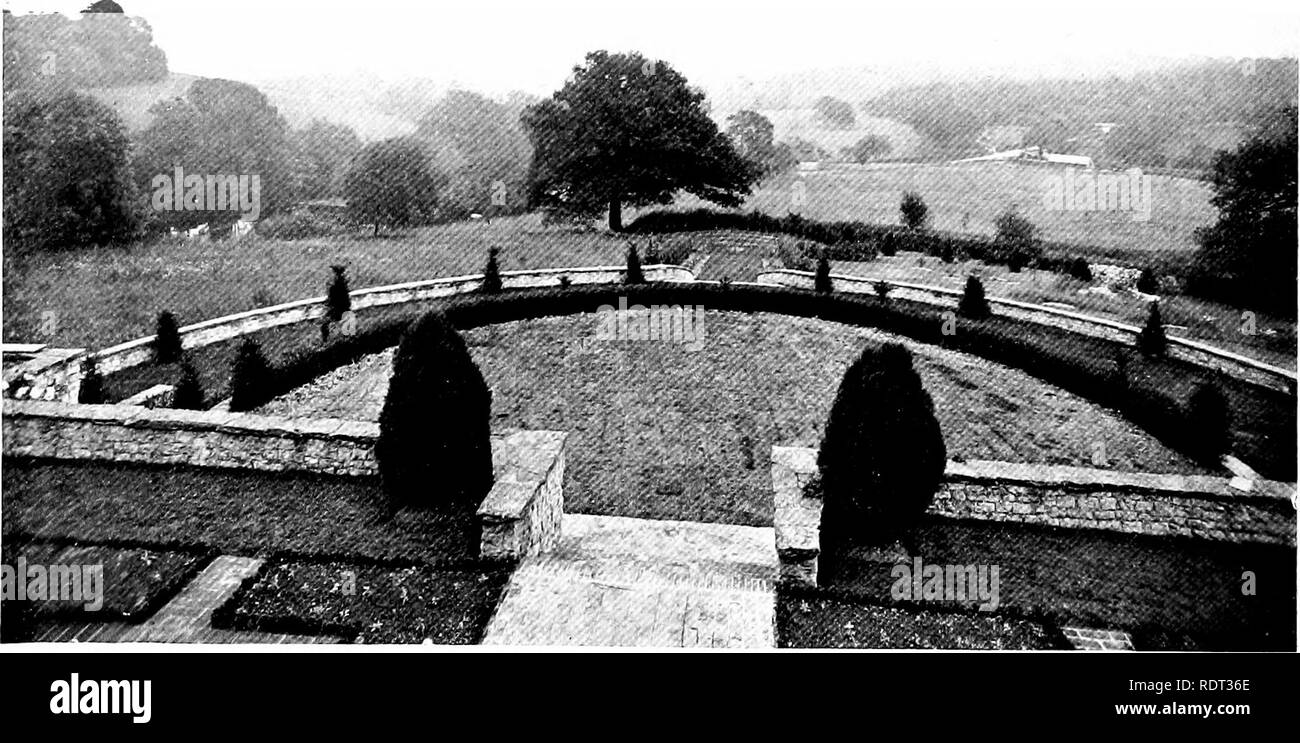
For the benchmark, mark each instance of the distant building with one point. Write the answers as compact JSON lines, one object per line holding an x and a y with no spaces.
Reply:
{"x":1032,"y":155}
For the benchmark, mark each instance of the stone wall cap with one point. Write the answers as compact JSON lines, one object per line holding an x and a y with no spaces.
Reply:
{"x":507,"y":501}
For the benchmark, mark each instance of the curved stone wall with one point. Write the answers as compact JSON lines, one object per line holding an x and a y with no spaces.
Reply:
{"x":1200,"y":354}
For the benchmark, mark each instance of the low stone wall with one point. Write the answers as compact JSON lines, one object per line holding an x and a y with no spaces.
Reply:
{"x":521,"y":515}
{"x":1050,"y":495}
{"x":1200,"y":354}
{"x":217,"y":330}
{"x":50,"y":374}
{"x":157,"y":396}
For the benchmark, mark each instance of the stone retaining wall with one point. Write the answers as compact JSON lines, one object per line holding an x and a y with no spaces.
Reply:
{"x":520,"y":515}
{"x":1051,"y":495}
{"x":217,"y":330}
{"x":157,"y":396}
{"x":1200,"y":354}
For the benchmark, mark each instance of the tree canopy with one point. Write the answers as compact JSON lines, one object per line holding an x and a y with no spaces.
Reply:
{"x":626,"y":130}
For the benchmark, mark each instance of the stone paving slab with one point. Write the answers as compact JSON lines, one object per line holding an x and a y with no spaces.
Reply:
{"x":187,"y":618}
{"x":1087,"y":638}
{"x":623,"y":582}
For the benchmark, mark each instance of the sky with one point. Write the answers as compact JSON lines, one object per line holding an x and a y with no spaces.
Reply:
{"x":502,"y":45}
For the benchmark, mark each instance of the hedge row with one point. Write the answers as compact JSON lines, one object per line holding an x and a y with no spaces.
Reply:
{"x":859,"y":241}
{"x":1146,"y":391}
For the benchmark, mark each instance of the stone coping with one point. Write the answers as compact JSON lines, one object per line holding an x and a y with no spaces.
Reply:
{"x":1289,"y":378}
{"x":797,"y":518}
{"x":522,"y":462}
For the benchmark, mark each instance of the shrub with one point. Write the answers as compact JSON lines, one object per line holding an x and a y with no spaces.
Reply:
{"x":822,"y":280}
{"x":298,"y":226}
{"x":434,"y":443}
{"x":914,"y":211}
{"x":167,"y":339}
{"x":882,"y":288}
{"x":1209,"y":424}
{"x":92,"y":383}
{"x":883,"y":455}
{"x":634,"y":274}
{"x":250,"y":377}
{"x":338,"y":300}
{"x":1151,"y":339}
{"x":189,"y":391}
{"x":946,"y":253}
{"x":1147,"y":283}
{"x":794,"y":256}
{"x":492,"y":273}
{"x":565,"y":282}
{"x":973,"y":303}
{"x":1080,"y":269}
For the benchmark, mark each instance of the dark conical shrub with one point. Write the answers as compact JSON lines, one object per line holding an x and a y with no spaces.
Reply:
{"x":973,"y":303}
{"x":1151,"y":339}
{"x":1209,"y":424}
{"x":167,"y":339}
{"x":1080,"y":269}
{"x":338,"y":300}
{"x":250,"y":377}
{"x":822,"y":279}
{"x":189,"y":391}
{"x":92,"y":383}
{"x":492,"y":273}
{"x":914,"y":211}
{"x":883,"y":455}
{"x":1147,"y":283}
{"x":634,"y":274}
{"x":435,"y":428}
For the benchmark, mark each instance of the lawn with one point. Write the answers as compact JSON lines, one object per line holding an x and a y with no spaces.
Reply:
{"x":662,"y":431}
{"x":103,"y":296}
{"x":969,"y":197}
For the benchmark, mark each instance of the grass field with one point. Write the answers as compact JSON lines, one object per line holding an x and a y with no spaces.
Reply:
{"x":104,"y":296}
{"x":969,"y":197}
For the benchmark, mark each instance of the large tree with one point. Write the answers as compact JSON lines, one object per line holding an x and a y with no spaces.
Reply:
{"x":323,"y":152}
{"x":220,"y":128}
{"x":752,"y":135}
{"x":391,"y":183}
{"x":103,"y":48}
{"x":1251,"y":250}
{"x":67,"y":176}
{"x":628,"y":130}
{"x":481,"y":147}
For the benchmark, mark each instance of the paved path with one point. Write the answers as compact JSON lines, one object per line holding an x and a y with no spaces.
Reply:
{"x":619,"y":582}
{"x":188,"y":617}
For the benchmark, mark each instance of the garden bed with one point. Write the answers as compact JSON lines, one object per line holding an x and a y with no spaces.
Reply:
{"x":136,"y":581}
{"x":805,"y":621}
{"x":367,"y":603}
